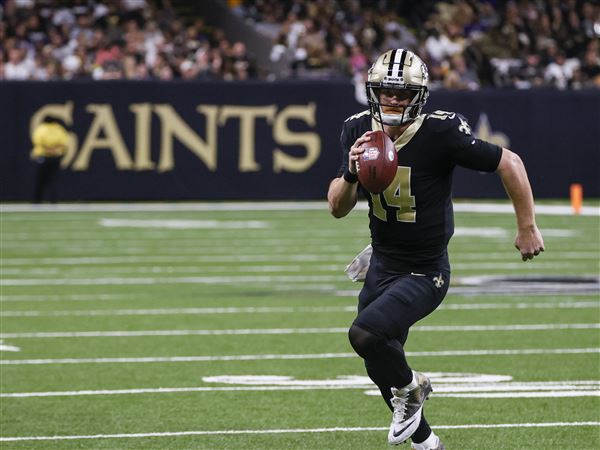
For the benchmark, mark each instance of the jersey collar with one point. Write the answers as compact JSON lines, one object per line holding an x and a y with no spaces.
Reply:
{"x":404,"y":137}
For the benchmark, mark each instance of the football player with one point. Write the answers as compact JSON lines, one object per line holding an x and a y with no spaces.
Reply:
{"x":411,"y":223}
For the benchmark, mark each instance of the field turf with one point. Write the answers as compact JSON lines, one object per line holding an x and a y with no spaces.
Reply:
{"x":224,"y":327}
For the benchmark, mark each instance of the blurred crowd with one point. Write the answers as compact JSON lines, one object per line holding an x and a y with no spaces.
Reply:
{"x":467,"y":44}
{"x":114,"y":39}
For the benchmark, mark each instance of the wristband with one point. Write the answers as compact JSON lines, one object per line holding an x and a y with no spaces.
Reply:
{"x":350,"y":177}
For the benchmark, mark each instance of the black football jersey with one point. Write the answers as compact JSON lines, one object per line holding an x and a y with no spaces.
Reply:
{"x":412,"y":221}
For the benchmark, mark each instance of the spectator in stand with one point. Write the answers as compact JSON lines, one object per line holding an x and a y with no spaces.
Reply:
{"x":560,"y":72}
{"x":85,"y":38}
{"x":110,"y":41}
{"x":590,"y":19}
{"x":243,"y":68}
{"x":358,"y":60}
{"x":530,"y":74}
{"x":340,"y":63}
{"x":398,"y":36}
{"x":18,"y":67}
{"x":590,"y":68}
{"x":459,"y":76}
{"x":313,"y":42}
{"x":443,"y":43}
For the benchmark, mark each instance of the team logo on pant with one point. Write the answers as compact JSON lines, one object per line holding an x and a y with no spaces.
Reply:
{"x":438,"y":281}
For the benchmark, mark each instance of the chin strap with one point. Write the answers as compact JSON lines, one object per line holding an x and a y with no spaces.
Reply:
{"x":397,"y":119}
{"x":394,"y":119}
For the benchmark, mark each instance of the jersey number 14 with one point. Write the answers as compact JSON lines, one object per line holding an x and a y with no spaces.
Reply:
{"x":397,"y":196}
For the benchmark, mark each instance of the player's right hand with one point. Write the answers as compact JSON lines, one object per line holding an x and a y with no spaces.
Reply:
{"x":356,"y":150}
{"x":529,"y":242}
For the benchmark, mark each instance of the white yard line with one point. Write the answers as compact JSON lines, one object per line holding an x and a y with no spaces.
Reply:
{"x":70,"y":272}
{"x":183,"y":224}
{"x":525,"y":327}
{"x":323,"y":245}
{"x":71,"y":297}
{"x":459,"y":206}
{"x":292,"y":431}
{"x":205,"y":240}
{"x":158,"y":259}
{"x":522,"y":305}
{"x":33,"y":240}
{"x":554,"y":394}
{"x":175,"y":390}
{"x":256,"y":331}
{"x":223,"y":279}
{"x":168,"y":207}
{"x":556,"y":301}
{"x":459,"y":255}
{"x":293,"y":246}
{"x":168,"y":280}
{"x":8,"y":348}
{"x":507,"y":208}
{"x":479,"y":390}
{"x":178,"y":270}
{"x":177,"y":359}
{"x":519,"y":265}
{"x":520,"y":291}
{"x":176,"y":311}
{"x":151,"y":260}
{"x":280,"y":331}
{"x":278,"y":310}
{"x":299,"y":286}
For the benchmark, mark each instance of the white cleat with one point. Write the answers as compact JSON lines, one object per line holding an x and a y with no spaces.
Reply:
{"x":439,"y":446}
{"x":408,"y":409}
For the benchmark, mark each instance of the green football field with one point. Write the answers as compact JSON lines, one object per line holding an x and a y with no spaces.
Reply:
{"x":223,"y":326}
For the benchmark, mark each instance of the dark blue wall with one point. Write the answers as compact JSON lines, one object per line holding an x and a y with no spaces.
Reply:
{"x":556,"y":133}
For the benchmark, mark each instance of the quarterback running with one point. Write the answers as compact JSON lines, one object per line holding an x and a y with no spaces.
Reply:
{"x":411,"y":223}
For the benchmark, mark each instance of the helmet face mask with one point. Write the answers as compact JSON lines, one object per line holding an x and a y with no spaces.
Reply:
{"x":396,"y":72}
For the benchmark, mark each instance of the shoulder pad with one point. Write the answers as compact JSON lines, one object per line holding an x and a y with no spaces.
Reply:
{"x":354,"y":117}
{"x":439,"y":121}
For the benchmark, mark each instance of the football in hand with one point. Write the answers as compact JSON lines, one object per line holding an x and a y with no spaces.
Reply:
{"x":378,"y":164}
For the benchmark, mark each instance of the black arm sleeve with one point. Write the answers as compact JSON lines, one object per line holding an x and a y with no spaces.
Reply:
{"x":481,"y":155}
{"x":346,"y":142}
{"x":468,"y":151}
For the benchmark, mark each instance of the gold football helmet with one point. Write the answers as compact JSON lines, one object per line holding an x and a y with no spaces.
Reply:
{"x":402,"y":70}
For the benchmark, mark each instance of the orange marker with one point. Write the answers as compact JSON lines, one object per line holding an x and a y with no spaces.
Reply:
{"x":576,"y":197}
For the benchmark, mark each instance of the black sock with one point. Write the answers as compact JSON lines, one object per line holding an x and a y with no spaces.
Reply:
{"x":422,"y":432}
{"x":384,"y":359}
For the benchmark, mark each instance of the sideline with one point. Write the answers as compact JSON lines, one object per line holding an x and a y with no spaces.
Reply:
{"x":459,"y":206}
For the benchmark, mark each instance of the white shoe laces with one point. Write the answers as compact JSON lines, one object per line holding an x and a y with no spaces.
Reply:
{"x":399,"y":404}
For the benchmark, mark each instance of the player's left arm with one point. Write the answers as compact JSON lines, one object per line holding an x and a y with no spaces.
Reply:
{"x":512,"y":172}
